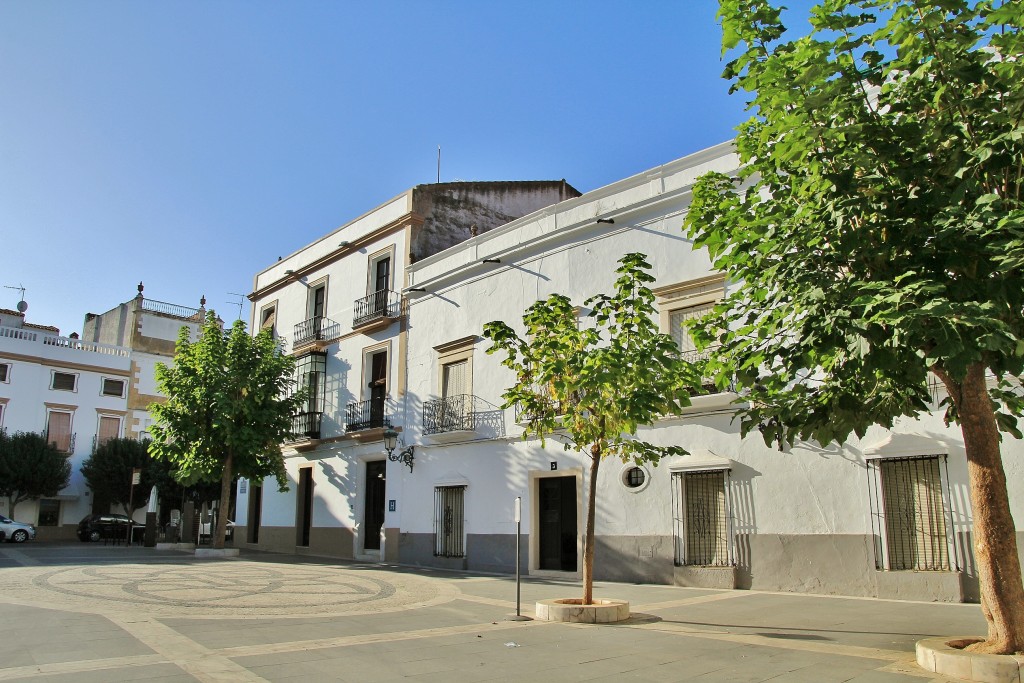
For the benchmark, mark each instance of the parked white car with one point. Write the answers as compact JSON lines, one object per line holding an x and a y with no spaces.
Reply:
{"x":16,"y":532}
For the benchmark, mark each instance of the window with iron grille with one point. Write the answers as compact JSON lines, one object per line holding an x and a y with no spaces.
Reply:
{"x":64,"y":381}
{"x":910,"y":514}
{"x":702,"y":518}
{"x":113,"y":387}
{"x":449,"y":521}
{"x":680,"y":334}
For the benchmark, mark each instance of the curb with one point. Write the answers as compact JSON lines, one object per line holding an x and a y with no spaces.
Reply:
{"x":936,"y":655}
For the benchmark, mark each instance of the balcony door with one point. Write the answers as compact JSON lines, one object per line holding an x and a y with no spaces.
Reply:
{"x":378,"y":387}
{"x":317,"y":306}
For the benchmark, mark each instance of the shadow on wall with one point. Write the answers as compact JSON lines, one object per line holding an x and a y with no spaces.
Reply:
{"x":337,"y":397}
{"x":744,"y":519}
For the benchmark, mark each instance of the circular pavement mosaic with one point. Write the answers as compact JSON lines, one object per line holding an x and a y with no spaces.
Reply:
{"x":233,"y":588}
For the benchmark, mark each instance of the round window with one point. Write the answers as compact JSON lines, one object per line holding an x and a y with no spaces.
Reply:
{"x":635,"y":477}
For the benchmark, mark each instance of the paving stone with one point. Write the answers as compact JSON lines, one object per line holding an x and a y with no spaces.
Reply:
{"x":81,"y":612}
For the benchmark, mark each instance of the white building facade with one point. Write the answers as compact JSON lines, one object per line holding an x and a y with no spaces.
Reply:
{"x":885,"y":516}
{"x":73,"y":392}
{"x":80,"y":391}
{"x":336,"y":305}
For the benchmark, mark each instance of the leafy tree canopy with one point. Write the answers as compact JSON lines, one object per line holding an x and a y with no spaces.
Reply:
{"x":30,"y":467}
{"x":877,"y":233}
{"x":108,"y":472}
{"x":596,"y":384}
{"x":228,"y":408}
{"x":877,"y":224}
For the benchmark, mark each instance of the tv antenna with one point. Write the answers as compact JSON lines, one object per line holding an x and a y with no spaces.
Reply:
{"x":237,"y":303}
{"x":22,"y":304}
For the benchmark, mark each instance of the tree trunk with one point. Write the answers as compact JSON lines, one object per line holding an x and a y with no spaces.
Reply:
{"x":995,"y":542}
{"x":225,"y":500}
{"x":588,"y":543}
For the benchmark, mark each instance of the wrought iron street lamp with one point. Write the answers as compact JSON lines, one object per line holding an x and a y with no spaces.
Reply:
{"x":391,"y":443}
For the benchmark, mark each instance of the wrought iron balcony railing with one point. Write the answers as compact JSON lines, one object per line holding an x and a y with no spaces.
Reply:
{"x":317,"y":328}
{"x":381,"y":304}
{"x":366,"y":415}
{"x":707,"y":383}
{"x":62,"y":441}
{"x":456,"y":413}
{"x":307,"y":425}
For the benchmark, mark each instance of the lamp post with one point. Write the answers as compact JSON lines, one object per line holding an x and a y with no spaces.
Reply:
{"x":404,"y":456}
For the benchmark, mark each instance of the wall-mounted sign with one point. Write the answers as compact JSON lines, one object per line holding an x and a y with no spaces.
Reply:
{"x":392,"y":505}
{"x":554,"y":466}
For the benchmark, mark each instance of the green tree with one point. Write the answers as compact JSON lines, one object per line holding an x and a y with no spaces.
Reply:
{"x":877,"y":231}
{"x":596,"y":385}
{"x":30,"y":467}
{"x":228,"y":408}
{"x":108,"y":471}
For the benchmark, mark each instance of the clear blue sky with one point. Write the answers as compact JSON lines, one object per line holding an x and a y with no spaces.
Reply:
{"x":189,"y":144}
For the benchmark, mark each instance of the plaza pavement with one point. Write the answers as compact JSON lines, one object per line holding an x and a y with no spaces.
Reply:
{"x":87,"y":613}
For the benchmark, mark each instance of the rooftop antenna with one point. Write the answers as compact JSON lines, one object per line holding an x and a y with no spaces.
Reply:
{"x":237,"y":303}
{"x":439,"y":163}
{"x":22,"y":304}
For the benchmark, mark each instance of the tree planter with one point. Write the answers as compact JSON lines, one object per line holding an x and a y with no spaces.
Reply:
{"x":571,"y":610}
{"x":216,"y":552}
{"x":937,"y":655}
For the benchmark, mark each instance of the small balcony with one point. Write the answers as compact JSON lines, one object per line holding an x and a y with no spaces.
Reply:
{"x":699,"y":358}
{"x":306,"y":426}
{"x":64,"y":442}
{"x":366,"y":415}
{"x":450,"y":414}
{"x":314,"y":332}
{"x":376,"y":310}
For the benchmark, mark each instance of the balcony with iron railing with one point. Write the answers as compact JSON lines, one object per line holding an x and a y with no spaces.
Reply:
{"x":707,"y":385}
{"x":64,"y":442}
{"x":450,"y":414}
{"x":365,"y":415}
{"x":306,"y":426}
{"x":376,"y":310}
{"x":317,"y":332}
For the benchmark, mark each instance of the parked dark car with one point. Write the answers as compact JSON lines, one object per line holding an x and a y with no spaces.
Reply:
{"x":107,"y":527}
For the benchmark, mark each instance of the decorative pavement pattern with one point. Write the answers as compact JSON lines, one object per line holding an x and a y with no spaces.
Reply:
{"x":91,"y":614}
{"x":230,"y":588}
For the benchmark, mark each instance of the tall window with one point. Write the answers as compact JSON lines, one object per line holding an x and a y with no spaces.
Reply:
{"x":908,"y":497}
{"x":676,"y":319}
{"x":58,"y":430}
{"x":5,"y":372}
{"x":703,"y":529}
{"x":449,"y":523}
{"x":382,"y":274}
{"x":109,"y":428}
{"x":455,"y":378}
{"x":310,"y":380}
{"x":268,"y":319}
